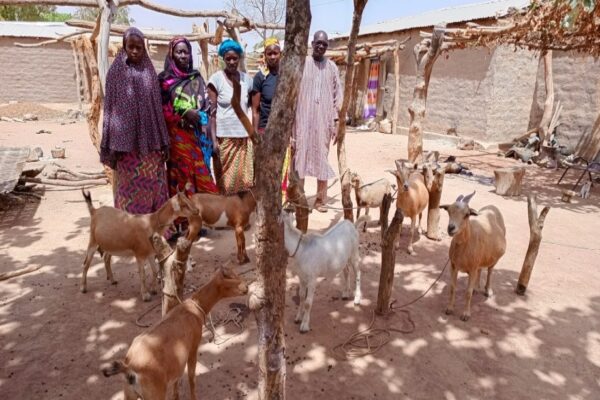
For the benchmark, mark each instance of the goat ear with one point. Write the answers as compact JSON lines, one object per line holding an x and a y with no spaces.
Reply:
{"x":416,"y":166}
{"x":395,"y":173}
{"x":469,"y":197}
{"x":473,"y":212}
{"x":445,"y":207}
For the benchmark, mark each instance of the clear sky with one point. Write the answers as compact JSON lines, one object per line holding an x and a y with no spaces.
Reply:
{"x":329,"y":15}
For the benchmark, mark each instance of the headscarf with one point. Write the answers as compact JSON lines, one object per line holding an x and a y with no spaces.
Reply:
{"x":272,"y":41}
{"x":228,"y":45}
{"x":133,"y":118}
{"x":175,"y":82}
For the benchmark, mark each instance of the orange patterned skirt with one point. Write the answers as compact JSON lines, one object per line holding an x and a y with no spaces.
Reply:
{"x":237,"y":161}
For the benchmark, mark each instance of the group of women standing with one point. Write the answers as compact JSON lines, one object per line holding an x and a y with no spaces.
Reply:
{"x":178,"y":119}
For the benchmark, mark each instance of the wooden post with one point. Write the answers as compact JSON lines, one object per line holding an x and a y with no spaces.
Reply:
{"x":107,"y":8}
{"x":344,"y":171}
{"x":396,"y":108}
{"x":543,"y":130}
{"x":426,"y":52}
{"x":536,"y":224}
{"x":435,"y":196}
{"x":94,"y":114}
{"x":204,"y":50}
{"x":388,"y":255}
{"x":78,"y":81}
{"x":271,"y":256}
{"x":508,"y":181}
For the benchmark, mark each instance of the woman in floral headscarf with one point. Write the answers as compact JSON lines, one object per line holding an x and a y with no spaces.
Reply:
{"x":186,"y":109}
{"x":134,"y":135}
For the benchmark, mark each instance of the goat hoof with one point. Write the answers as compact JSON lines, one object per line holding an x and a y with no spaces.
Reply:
{"x":345,"y":297}
{"x":153,"y":291}
{"x":83,"y":290}
{"x":465,"y":317}
{"x":304,"y":329}
{"x":488,"y":293}
{"x":357,"y":302}
{"x":146,"y":297}
{"x":114,"y":282}
{"x":411,"y":252}
{"x":297,"y":321}
{"x":449,"y":311}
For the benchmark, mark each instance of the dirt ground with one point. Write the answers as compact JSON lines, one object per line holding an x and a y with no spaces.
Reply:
{"x":545,"y":345}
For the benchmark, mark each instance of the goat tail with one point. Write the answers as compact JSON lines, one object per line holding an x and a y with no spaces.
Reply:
{"x":88,"y":199}
{"x":363,"y":219}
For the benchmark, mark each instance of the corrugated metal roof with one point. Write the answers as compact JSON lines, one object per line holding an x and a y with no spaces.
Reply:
{"x":463,"y":13}
{"x":50,"y":30}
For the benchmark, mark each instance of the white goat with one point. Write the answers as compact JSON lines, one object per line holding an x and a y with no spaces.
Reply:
{"x":116,"y":232}
{"x":478,"y":241}
{"x":369,"y":195}
{"x":323,"y":255}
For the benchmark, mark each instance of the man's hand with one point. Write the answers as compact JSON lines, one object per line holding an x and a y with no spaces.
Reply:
{"x":336,"y":128}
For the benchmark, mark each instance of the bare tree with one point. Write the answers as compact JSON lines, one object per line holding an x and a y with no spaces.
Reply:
{"x":265,"y":11}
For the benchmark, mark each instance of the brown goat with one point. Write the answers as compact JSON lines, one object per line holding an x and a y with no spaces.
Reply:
{"x":116,"y":232}
{"x":157,"y":358}
{"x":412,"y":197}
{"x":221,"y":211}
{"x":478,"y":242}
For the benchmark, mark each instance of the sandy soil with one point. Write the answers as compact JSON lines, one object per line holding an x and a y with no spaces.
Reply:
{"x":545,"y":345}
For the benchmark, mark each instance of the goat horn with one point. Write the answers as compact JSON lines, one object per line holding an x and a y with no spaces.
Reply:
{"x":469,"y":197}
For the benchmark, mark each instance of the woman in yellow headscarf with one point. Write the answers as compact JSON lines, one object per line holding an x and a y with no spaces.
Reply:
{"x":263,"y":92}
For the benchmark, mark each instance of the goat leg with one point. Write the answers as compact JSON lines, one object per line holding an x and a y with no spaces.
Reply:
{"x":242,"y":256}
{"x":488,"y":290}
{"x":467,"y":313}
{"x":302,"y":296}
{"x":107,"y":266}
{"x":86,"y":265}
{"x":191,"y":369}
{"x":346,"y":292}
{"x":142,"y":273}
{"x":356,"y":268}
{"x":410,"y":237}
{"x":310,"y":294}
{"x":453,"y":278}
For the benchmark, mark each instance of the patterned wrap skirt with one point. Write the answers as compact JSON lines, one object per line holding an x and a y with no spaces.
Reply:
{"x":141,"y":183}
{"x":186,"y":167}
{"x":237,"y":161}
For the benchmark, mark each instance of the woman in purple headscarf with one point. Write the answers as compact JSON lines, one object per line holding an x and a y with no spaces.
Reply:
{"x":135,"y":141}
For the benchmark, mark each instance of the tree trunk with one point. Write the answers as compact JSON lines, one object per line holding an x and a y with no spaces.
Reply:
{"x":359,"y":6}
{"x":271,"y":257}
{"x":396,"y":107}
{"x":543,"y":131}
{"x":388,"y":255}
{"x":536,"y":224}
{"x":433,"y":210}
{"x":508,"y":181}
{"x":426,"y":53}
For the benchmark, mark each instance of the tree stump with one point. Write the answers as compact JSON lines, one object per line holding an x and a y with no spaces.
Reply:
{"x":508,"y":181}
{"x":536,"y":224}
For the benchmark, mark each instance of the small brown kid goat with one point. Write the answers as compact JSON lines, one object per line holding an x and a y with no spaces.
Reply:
{"x":116,"y":232}
{"x":157,"y":358}
{"x":217,"y":211}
